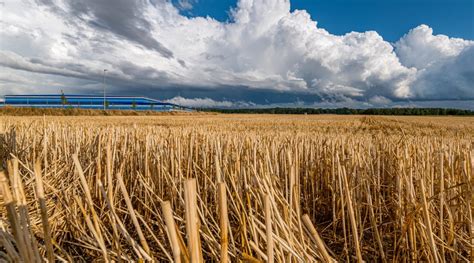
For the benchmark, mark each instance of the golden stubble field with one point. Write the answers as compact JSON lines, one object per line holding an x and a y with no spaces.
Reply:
{"x":230,"y":188}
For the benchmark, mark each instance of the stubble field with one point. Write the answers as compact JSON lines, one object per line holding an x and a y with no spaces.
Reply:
{"x":230,"y":188}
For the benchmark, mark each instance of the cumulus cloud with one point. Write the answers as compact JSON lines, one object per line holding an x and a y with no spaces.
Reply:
{"x":186,"y":4}
{"x":445,"y":66}
{"x":121,"y":17}
{"x":265,"y":54}
{"x":208,"y":103}
{"x":452,"y":79}
{"x":421,"y":49}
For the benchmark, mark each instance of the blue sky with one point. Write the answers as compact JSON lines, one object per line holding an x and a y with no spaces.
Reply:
{"x":390,"y":18}
{"x":320,"y":53}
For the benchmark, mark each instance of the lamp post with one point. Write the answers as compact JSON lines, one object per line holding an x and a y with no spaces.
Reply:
{"x":104,"y":87}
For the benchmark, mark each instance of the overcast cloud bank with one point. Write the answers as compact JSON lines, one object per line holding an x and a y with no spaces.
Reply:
{"x":264,"y":52}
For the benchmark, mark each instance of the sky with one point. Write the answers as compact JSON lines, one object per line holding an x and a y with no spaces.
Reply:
{"x":390,"y":18}
{"x":245,"y":53}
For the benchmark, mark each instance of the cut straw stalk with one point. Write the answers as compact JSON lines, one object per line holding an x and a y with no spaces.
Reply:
{"x":44,"y":212}
{"x":248,"y":258}
{"x":268,"y":224}
{"x":441,"y":204}
{"x":374,"y":224}
{"x":10,"y":204}
{"x":136,"y":247}
{"x":91,"y":228}
{"x":352,"y":216}
{"x":192,"y":221}
{"x":223,"y":222}
{"x":7,"y":242}
{"x":432,"y":244}
{"x":171,"y":230}
{"x":131,"y":211}
{"x":85,"y":188}
{"x":317,"y":239}
{"x":23,"y":213}
{"x":470,"y":198}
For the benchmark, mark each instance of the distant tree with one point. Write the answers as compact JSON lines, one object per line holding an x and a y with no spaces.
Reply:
{"x":348,"y":111}
{"x":63,"y":99}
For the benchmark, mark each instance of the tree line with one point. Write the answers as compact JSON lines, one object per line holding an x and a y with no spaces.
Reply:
{"x":348,"y":111}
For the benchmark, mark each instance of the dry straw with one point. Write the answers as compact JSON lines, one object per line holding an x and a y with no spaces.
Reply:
{"x":237,"y":188}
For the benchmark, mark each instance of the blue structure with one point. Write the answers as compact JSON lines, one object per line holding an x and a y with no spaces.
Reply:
{"x":89,"y":102}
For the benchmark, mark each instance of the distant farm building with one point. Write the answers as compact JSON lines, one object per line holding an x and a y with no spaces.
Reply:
{"x":89,"y":102}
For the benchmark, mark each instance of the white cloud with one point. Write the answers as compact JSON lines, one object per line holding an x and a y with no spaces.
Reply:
{"x":445,"y":66}
{"x":186,"y":4}
{"x":266,"y":48}
{"x":452,"y":79}
{"x":421,"y":49}
{"x":208,"y":103}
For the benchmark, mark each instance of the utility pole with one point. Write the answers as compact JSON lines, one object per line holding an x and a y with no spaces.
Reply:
{"x":104,"y":88}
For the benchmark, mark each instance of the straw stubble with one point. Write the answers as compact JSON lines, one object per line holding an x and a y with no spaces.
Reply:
{"x":231,"y":188}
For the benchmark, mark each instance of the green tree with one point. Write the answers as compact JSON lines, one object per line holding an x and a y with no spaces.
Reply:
{"x":63,"y":99}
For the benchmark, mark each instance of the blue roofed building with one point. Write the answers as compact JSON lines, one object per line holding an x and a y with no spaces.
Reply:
{"x":89,"y":102}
